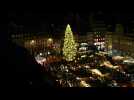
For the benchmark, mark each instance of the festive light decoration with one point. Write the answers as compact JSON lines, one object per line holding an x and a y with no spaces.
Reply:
{"x":96,"y":71}
{"x":69,"y":48}
{"x":50,"y":42}
{"x":32,"y":42}
{"x":84,"y":84}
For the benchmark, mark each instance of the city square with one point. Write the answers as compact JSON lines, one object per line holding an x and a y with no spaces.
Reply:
{"x":90,"y":66}
{"x":99,"y":58}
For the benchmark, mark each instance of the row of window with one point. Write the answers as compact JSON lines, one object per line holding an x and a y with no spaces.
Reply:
{"x":21,"y":35}
{"x":99,"y":39}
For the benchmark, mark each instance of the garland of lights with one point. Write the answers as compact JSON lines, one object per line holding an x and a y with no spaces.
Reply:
{"x":69,"y":48}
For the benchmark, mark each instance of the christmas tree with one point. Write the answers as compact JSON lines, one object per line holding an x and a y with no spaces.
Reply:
{"x":69,"y":48}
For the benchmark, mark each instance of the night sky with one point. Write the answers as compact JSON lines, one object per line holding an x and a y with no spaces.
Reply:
{"x":45,"y":21}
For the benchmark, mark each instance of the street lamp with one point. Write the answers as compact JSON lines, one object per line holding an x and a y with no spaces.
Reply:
{"x":40,"y":54}
{"x":50,"y":39}
{"x":32,"y":42}
{"x":50,"y":42}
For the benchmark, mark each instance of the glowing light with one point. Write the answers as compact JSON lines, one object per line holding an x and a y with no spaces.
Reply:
{"x":83,"y":48}
{"x":96,"y":71}
{"x":108,"y":64}
{"x":83,"y":44}
{"x":83,"y":56}
{"x":79,"y":66}
{"x":32,"y":42}
{"x":129,"y":61}
{"x":84,"y":84}
{"x":110,"y":46}
{"x":91,"y":56}
{"x":77,"y":78}
{"x":66,"y":67}
{"x":40,"y":54}
{"x":44,"y":60}
{"x":117,"y":58}
{"x":50,"y":39}
{"x":48,"y":53}
{"x":69,"y":48}
{"x":95,"y":43}
{"x":66,"y":70}
{"x":87,"y":66}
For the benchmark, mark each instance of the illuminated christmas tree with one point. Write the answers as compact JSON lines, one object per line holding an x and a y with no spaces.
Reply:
{"x":69,"y":48}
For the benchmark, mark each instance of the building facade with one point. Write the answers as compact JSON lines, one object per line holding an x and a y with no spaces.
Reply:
{"x":108,"y":42}
{"x":111,"y":42}
{"x":36,"y":43}
{"x":120,"y":44}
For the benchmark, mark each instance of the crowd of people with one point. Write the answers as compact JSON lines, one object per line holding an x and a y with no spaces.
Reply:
{"x":96,"y":71}
{"x":92,"y":71}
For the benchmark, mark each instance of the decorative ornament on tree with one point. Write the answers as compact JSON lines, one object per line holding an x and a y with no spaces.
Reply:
{"x":69,"y":48}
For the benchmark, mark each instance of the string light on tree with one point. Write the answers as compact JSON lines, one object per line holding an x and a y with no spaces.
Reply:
{"x":69,"y":48}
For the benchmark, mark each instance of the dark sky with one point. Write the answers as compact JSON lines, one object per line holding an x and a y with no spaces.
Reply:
{"x":51,"y":20}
